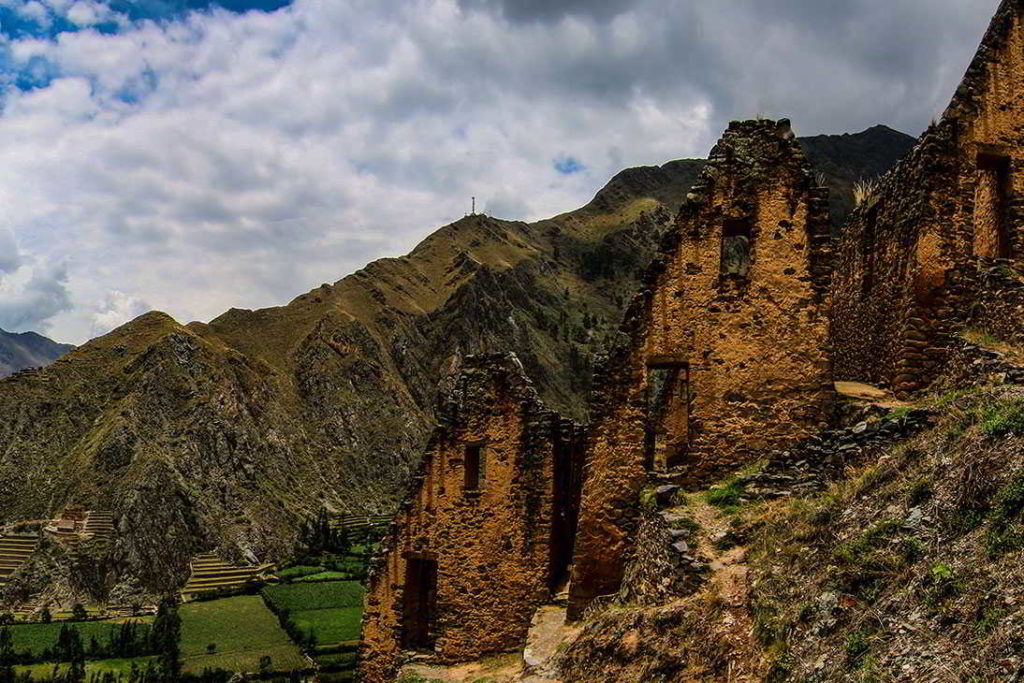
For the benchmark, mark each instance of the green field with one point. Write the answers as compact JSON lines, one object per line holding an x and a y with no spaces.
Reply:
{"x":242,"y":628}
{"x":38,"y":637}
{"x":298,"y":597}
{"x":335,"y":625}
{"x":323,"y":576}
{"x":299,"y":571}
{"x":115,"y":666}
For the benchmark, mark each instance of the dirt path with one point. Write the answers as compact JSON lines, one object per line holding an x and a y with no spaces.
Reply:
{"x":729,"y":582}
{"x":547,"y":633}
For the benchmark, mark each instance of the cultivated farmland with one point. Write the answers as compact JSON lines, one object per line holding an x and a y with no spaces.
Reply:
{"x":242,"y":628}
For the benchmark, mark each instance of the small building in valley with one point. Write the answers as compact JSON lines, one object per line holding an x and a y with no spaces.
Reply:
{"x":486,"y":534}
{"x":726,"y":352}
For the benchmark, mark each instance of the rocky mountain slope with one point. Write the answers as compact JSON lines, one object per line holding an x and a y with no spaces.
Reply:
{"x":19,"y":351}
{"x":223,"y":435}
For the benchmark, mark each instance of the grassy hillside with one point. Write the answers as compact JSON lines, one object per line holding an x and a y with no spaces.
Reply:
{"x":897,"y":559}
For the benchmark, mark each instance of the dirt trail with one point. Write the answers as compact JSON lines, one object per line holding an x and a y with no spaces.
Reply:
{"x":729,"y":583}
{"x":548,"y":632}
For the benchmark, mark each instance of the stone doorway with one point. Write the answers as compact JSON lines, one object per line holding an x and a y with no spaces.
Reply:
{"x":991,"y":200}
{"x":667,"y":436}
{"x":420,"y":603}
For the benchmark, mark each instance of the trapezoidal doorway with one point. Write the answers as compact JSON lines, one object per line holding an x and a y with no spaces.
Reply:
{"x":668,"y":413}
{"x":419,"y":604}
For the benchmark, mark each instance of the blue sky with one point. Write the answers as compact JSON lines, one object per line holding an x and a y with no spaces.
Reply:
{"x":193,"y":156}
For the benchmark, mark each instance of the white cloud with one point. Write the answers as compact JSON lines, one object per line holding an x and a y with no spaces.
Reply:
{"x":116,"y":309}
{"x":238,"y":160}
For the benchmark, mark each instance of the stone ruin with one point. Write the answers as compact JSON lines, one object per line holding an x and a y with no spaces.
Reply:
{"x":726,"y":353}
{"x":486,"y":535}
{"x":748,"y":316}
{"x":929,"y":251}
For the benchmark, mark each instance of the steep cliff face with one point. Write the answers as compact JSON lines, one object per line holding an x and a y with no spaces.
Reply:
{"x":19,"y":351}
{"x":225,"y":434}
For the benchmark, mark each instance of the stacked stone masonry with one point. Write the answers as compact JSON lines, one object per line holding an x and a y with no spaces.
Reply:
{"x":953,"y":207}
{"x":726,"y":351}
{"x":486,"y":534}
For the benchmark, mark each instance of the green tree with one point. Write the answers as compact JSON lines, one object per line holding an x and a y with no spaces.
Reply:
{"x":45,"y":616}
{"x":78,"y":612}
{"x":165,"y":639}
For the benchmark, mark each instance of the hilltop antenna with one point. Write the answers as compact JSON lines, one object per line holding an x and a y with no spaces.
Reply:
{"x":473,"y":210}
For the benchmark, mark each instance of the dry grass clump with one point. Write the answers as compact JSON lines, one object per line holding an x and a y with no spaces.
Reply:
{"x":864,"y":190}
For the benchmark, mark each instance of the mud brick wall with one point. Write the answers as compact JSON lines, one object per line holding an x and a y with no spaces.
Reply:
{"x":725,"y":354}
{"x":955,"y":202}
{"x":497,"y":549}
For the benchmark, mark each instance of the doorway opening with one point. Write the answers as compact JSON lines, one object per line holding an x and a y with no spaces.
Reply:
{"x":420,"y":603}
{"x":667,"y":438}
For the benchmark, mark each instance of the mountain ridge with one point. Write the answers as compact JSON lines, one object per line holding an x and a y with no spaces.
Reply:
{"x":225,"y":434}
{"x":23,"y":350}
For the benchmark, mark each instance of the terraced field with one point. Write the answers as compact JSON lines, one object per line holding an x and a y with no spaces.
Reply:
{"x":359,"y":527}
{"x":243,"y":630}
{"x":331,"y":610}
{"x":99,"y":524}
{"x":14,"y":552}
{"x":210,"y":573}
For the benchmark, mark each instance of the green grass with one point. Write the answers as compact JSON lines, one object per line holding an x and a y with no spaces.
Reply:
{"x":726,"y":496}
{"x":115,"y":666}
{"x":37,"y":637}
{"x":1005,"y":417}
{"x":323,"y":576}
{"x":337,"y":659}
{"x":297,"y":597}
{"x":332,"y":625}
{"x":243,"y":629}
{"x":298,"y":571}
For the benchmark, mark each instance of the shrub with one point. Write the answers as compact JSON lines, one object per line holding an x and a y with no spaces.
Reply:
{"x":857,"y":645}
{"x":726,"y":496}
{"x":1003,"y":418}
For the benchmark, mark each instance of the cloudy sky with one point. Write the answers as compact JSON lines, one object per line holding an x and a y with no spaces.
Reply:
{"x":192,"y":155}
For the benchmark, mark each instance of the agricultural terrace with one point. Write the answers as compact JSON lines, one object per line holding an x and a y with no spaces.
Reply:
{"x":242,"y":629}
{"x":330,"y":611}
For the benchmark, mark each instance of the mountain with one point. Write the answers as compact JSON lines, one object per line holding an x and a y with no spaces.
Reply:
{"x":225,"y":434}
{"x":19,"y":351}
{"x":845,"y":160}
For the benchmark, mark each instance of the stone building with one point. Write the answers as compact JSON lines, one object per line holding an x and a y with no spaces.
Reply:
{"x":908,"y":262}
{"x":726,"y":352}
{"x":486,"y":534}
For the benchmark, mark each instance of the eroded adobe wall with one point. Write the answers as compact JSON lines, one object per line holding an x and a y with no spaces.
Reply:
{"x":751,"y":345}
{"x":493,"y":547}
{"x":954,"y":203}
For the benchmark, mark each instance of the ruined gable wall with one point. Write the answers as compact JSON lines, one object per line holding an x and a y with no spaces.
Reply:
{"x":492,"y":547}
{"x":756,"y":347}
{"x":935,"y":214}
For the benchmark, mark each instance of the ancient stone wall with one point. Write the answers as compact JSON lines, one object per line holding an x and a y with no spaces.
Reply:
{"x":955,"y":202}
{"x":486,"y":534}
{"x":726,"y":351}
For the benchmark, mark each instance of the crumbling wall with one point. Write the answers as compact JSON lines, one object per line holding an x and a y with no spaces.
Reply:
{"x":734,"y":321}
{"x":495,"y":544}
{"x":953,"y":204}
